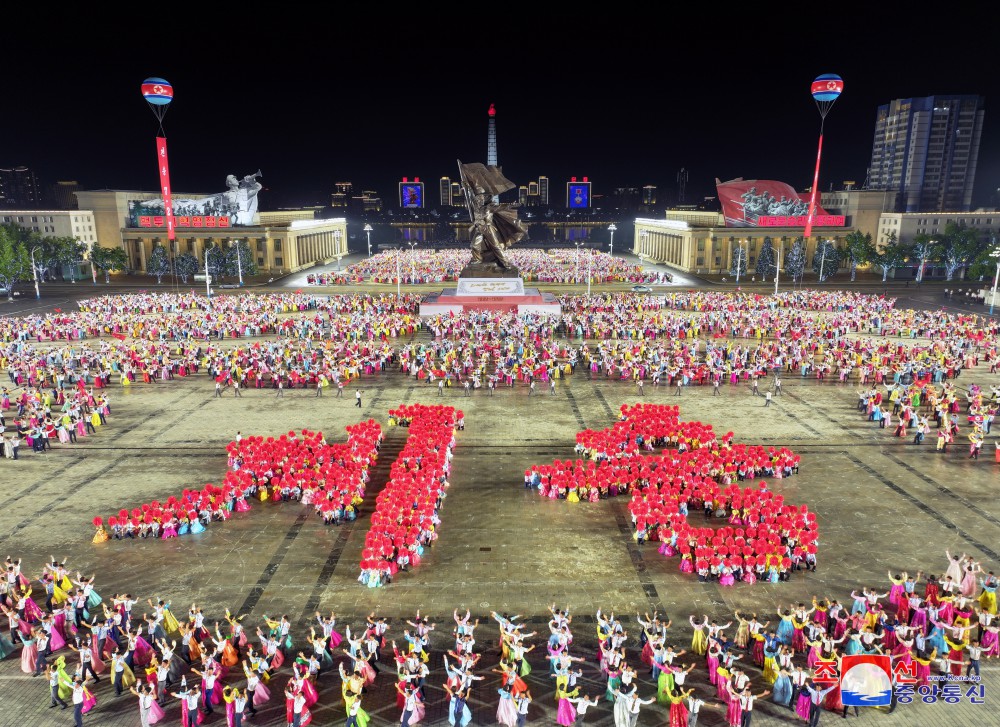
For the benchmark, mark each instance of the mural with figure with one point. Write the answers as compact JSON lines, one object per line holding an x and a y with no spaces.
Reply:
{"x":237,"y":205}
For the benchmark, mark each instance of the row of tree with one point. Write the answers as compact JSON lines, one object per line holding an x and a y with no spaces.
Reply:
{"x":20,"y":248}
{"x":957,"y":249}
{"x":232,"y":261}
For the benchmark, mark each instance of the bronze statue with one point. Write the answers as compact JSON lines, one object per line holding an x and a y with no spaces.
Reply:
{"x":495,"y":225}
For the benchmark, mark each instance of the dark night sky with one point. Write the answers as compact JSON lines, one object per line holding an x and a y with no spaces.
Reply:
{"x":626,"y":98}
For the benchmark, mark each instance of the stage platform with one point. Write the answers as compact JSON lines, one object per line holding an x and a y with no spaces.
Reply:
{"x":505,"y":295}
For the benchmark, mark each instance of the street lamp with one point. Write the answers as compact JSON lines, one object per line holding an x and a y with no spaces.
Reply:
{"x":239,"y":261}
{"x":611,"y":247}
{"x":413,"y":263}
{"x":822,"y":262}
{"x":398,"y":274}
{"x":34,"y":273}
{"x":996,"y":255}
{"x":208,"y":277}
{"x":590,"y":260}
{"x":777,"y":266}
{"x":368,"y":231}
{"x":336,"y":237}
{"x":742,"y":261}
{"x":577,"y":275}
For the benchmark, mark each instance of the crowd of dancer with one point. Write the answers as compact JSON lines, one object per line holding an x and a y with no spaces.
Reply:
{"x":313,"y":342}
{"x":929,"y":625}
{"x":766,"y":539}
{"x":558,"y":266}
{"x":301,"y":467}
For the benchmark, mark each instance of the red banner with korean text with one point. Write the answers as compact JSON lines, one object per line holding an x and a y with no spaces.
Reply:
{"x":164,"y":169}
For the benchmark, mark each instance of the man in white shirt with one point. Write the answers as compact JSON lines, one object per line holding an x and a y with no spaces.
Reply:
{"x":521,"y":702}
{"x":78,"y":696}
{"x":634,"y":704}
{"x":298,"y":704}
{"x":53,"y":676}
{"x":747,"y":699}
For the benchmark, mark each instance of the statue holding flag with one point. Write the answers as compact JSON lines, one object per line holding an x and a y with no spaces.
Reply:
{"x":495,"y":225}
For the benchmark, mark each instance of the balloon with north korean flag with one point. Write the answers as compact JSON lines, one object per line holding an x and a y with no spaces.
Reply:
{"x":825,"y":90}
{"x":157,"y":91}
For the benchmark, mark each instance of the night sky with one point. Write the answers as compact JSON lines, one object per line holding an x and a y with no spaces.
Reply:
{"x":624,"y":98}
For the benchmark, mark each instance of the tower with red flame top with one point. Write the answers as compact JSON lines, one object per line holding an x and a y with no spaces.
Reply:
{"x":491,"y":137}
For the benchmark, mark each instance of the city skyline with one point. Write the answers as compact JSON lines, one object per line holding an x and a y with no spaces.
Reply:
{"x":625,"y":109}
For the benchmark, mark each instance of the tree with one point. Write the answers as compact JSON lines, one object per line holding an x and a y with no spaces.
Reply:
{"x":964,"y":245}
{"x":922,"y":251}
{"x":15,"y":264}
{"x":108,"y":259}
{"x":245,"y":263}
{"x":859,"y":250}
{"x":739,"y":266}
{"x":891,"y":255}
{"x":185,"y":266}
{"x":795,"y":260}
{"x":216,"y":259}
{"x":51,"y":253}
{"x":826,"y":260}
{"x":765,"y":261}
{"x":158,"y":263}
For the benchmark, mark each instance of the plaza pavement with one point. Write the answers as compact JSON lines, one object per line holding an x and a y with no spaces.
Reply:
{"x":882,"y":504}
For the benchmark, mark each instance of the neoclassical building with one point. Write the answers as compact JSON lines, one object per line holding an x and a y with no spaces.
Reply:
{"x":282,"y":242}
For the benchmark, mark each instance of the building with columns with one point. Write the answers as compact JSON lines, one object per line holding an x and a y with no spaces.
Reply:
{"x":693,"y":240}
{"x":699,"y":242}
{"x":282,"y":242}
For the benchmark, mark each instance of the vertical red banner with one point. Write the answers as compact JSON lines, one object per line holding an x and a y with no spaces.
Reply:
{"x":164,"y":168}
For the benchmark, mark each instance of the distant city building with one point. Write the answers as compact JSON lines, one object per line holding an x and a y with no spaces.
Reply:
{"x":63,"y":195}
{"x":79,"y":224}
{"x":649,"y":195}
{"x":627,"y":198}
{"x":411,"y":194}
{"x":341,"y":196}
{"x":543,"y":191}
{"x":445,"y":188}
{"x":18,"y":188}
{"x":926,"y":151}
{"x":578,"y":193}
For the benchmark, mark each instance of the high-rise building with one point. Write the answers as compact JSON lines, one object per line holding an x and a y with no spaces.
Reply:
{"x":926,"y":150}
{"x":341,"y":194}
{"x":18,"y":188}
{"x":444,"y":189}
{"x":543,"y":191}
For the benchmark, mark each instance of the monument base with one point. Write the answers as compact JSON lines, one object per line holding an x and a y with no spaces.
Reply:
{"x":503,"y":295}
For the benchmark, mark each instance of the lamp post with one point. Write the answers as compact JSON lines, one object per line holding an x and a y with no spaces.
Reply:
{"x":368,"y":231}
{"x":611,"y":246}
{"x":34,"y":273}
{"x":777,"y":266}
{"x":208,"y":277}
{"x":337,"y":234}
{"x":398,"y":274}
{"x":590,"y":260}
{"x":742,"y":261}
{"x":413,"y":263}
{"x":239,"y":260}
{"x":577,"y":274}
{"x":996,"y":256}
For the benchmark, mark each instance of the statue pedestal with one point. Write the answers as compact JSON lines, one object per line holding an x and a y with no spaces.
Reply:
{"x":503,"y":295}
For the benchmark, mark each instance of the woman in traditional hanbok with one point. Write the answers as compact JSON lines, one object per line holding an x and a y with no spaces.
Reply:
{"x":507,"y":712}
{"x":29,"y":652}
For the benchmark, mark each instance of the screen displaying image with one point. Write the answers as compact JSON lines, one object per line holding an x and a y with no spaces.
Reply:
{"x":578,"y":195}
{"x":411,"y":196}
